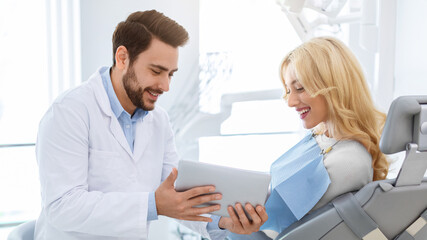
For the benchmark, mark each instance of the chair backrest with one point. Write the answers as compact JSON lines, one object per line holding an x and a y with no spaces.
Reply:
{"x":406,"y":129}
{"x":406,"y":123}
{"x":24,"y":231}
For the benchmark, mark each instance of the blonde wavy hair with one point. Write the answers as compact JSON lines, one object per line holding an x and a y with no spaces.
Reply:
{"x":326,"y":66}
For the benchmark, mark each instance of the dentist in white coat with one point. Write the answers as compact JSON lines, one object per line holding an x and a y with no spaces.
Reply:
{"x":107,"y":156}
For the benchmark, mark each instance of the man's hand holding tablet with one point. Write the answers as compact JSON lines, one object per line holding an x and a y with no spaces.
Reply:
{"x":181,"y":205}
{"x":244,"y":190}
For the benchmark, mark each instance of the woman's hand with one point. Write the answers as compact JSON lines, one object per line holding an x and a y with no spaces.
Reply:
{"x":239,"y":223}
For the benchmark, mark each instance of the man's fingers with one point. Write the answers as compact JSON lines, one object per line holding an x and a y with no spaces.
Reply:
{"x":170,"y":180}
{"x":204,"y":210}
{"x":204,"y":199}
{"x":194,"y":192}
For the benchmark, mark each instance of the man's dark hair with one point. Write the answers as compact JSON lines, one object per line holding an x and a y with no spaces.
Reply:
{"x":139,"y":29}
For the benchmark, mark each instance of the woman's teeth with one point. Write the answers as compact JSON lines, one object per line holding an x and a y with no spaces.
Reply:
{"x":303,"y":111}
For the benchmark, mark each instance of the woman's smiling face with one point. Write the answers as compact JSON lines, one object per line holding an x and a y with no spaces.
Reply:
{"x":312,"y":110}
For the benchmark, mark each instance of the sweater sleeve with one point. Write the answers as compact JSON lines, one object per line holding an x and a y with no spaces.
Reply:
{"x":349,"y":166}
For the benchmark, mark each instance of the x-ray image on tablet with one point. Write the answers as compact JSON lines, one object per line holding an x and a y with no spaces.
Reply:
{"x":235,"y":185}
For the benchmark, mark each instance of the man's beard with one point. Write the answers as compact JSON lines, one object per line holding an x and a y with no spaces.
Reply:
{"x":134,"y":91}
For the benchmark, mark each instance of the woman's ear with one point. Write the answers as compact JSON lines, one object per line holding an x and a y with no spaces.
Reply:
{"x":122,"y":58}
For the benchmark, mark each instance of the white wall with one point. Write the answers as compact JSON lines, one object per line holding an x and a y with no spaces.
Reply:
{"x":411,"y":48}
{"x":100,"y":17}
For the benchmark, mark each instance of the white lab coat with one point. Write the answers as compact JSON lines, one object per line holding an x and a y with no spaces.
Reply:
{"x":92,"y":185}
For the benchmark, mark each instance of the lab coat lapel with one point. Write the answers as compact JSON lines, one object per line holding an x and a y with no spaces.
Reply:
{"x":104,"y":104}
{"x":144,"y":131}
{"x":118,"y":133}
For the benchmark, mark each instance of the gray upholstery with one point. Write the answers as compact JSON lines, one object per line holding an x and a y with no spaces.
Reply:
{"x":417,"y":231}
{"x":420,"y":128}
{"x":353,"y":215}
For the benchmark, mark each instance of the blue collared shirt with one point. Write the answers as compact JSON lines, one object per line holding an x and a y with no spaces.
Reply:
{"x":128,"y":124}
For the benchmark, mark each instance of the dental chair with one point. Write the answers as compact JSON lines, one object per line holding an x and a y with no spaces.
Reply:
{"x":386,"y":209}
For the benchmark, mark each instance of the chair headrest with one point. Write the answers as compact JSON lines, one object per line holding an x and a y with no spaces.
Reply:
{"x":406,"y":123}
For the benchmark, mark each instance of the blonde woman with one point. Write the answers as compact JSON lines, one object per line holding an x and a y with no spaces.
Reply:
{"x":324,"y":82}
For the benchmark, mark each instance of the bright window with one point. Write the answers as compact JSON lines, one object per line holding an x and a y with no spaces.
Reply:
{"x":24,"y":97}
{"x":23,"y":75}
{"x":242,"y":44}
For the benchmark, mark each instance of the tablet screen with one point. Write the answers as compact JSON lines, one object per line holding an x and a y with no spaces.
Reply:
{"x":235,"y":185}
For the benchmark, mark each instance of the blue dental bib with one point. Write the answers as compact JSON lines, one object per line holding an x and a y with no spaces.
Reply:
{"x":299,"y":180}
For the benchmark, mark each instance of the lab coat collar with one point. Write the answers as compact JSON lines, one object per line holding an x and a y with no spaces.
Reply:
{"x":101,"y":96}
{"x":144,"y":126}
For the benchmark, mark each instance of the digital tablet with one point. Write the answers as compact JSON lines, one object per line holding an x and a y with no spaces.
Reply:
{"x":235,"y":185}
